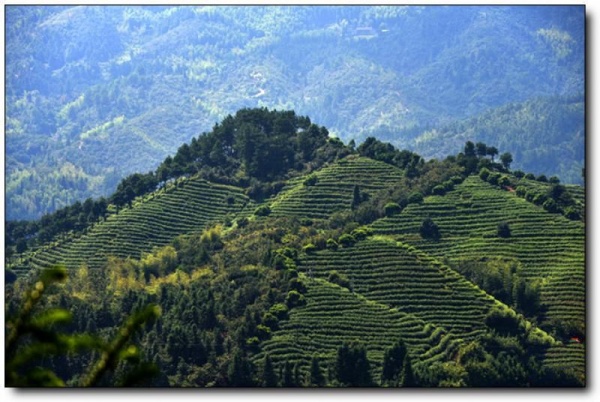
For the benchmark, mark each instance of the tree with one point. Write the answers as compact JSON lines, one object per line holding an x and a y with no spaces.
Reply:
{"x":415,"y":198}
{"x":469,"y":149}
{"x":33,"y":337}
{"x":352,"y":366}
{"x":316,"y":376}
{"x":347,"y":240}
{"x":506,"y":159}
{"x":393,"y":360}
{"x":407,"y":376}
{"x":481,"y":149}
{"x":392,"y":208}
{"x":21,"y":245}
{"x":297,"y":375}
{"x":269,"y":377}
{"x":239,"y":373}
{"x":429,"y":230}
{"x":356,"y":198}
{"x":492,"y":151}
{"x":484,"y":174}
{"x":288,"y":375}
{"x":503,"y":230}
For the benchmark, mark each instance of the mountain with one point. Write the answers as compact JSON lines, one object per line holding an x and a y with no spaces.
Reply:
{"x":546,"y":135}
{"x":96,"y":93}
{"x":282,"y":257}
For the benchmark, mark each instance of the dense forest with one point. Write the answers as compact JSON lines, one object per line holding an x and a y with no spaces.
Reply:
{"x":95,"y":94}
{"x":271,"y":254}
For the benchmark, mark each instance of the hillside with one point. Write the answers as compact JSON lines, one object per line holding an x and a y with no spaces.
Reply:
{"x":353,"y":266}
{"x":331,"y":189}
{"x":185,"y":207}
{"x":545,"y":135}
{"x":88,"y":87}
{"x":547,"y":248}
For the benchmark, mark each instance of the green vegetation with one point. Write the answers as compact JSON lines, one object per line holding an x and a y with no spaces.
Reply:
{"x":33,"y":338}
{"x":345,"y":268}
{"x":94,"y":94}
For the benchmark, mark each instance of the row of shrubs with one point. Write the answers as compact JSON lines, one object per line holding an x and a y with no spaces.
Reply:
{"x":555,"y":200}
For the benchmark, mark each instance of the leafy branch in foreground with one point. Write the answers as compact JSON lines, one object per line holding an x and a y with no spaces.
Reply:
{"x":33,"y":337}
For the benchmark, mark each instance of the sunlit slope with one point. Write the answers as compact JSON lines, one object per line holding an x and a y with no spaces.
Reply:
{"x":183,"y":208}
{"x":333,"y":315}
{"x":399,"y":276}
{"x":549,"y":247}
{"x":334,"y":188}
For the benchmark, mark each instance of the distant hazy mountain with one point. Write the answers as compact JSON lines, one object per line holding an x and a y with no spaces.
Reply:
{"x":95,"y":93}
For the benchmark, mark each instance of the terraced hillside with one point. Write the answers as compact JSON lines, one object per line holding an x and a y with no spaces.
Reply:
{"x":548,"y":246}
{"x":399,"y":276}
{"x":395,"y":292}
{"x":178,"y":209}
{"x":334,"y":188}
{"x":334,"y":315}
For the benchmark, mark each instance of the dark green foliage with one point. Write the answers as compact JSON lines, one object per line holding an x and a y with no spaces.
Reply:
{"x":392,"y":208}
{"x":551,"y":206}
{"x":530,"y":176}
{"x":393,"y":361}
{"x":554,"y":180}
{"x":317,"y":379}
{"x":415,"y":198}
{"x":493,"y":179}
{"x":352,"y":366}
{"x":240,"y":371}
{"x":470,"y":149}
{"x":492,"y":151}
{"x":506,"y":159}
{"x":339,"y":279}
{"x":269,"y":378}
{"x":294,"y":299}
{"x":503,"y":230}
{"x":484,"y":174}
{"x":34,"y":339}
{"x":356,"y":197}
{"x":504,"y":181}
{"x":288,"y":375}
{"x":332,"y":244}
{"x":311,"y":180}
{"x":263,"y":210}
{"x":429,"y":230}
{"x":481,"y":150}
{"x":438,"y":190}
{"x":347,"y":240}
{"x":309,"y":248}
{"x":542,"y":178}
{"x":572,"y":214}
{"x":9,"y":276}
{"x":505,"y":322}
{"x":407,"y":377}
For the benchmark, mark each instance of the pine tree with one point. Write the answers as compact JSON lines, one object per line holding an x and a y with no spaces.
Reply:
{"x":356,"y":196}
{"x":288,"y":376}
{"x":407,"y":376}
{"x":269,"y":377}
{"x":316,"y":376}
{"x":393,"y":360}
{"x":240,"y":371}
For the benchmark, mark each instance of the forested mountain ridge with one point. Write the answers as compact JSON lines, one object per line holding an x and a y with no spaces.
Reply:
{"x":418,"y":273}
{"x":88,"y":87}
